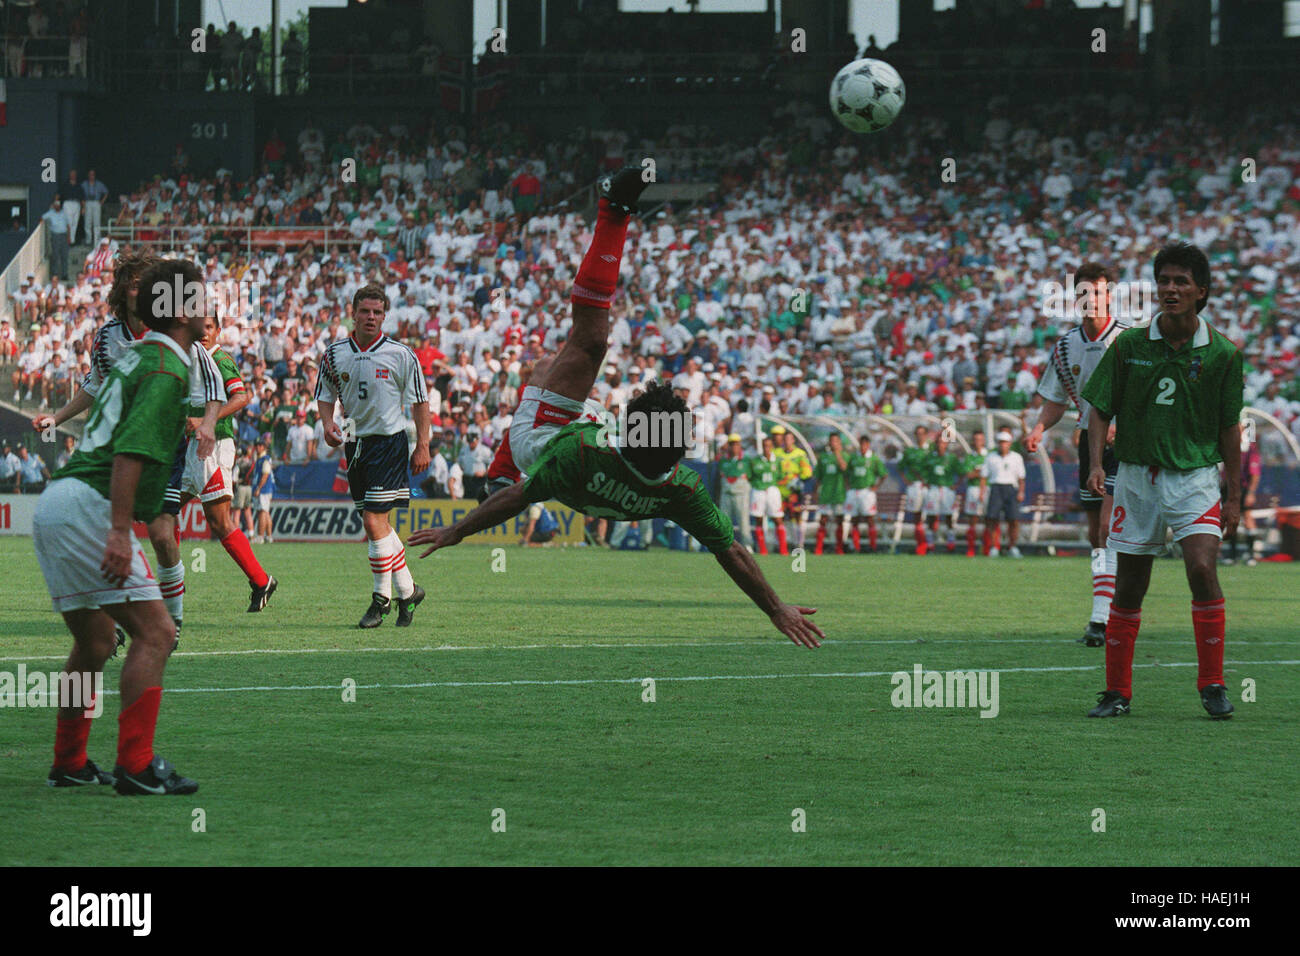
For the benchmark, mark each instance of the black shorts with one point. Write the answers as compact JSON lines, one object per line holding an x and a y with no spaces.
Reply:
{"x":377,"y":472}
{"x":1003,"y":505}
{"x":1109,"y":463}
{"x":172,"y":496}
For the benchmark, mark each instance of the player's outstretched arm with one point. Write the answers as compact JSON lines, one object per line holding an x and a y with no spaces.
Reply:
{"x":1048,"y":415}
{"x":496,"y":508}
{"x":76,"y":405}
{"x":790,"y":619}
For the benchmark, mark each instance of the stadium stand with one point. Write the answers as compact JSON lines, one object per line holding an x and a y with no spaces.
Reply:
{"x":805,"y":275}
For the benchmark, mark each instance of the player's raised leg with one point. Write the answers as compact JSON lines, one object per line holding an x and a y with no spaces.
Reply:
{"x":576,"y":367}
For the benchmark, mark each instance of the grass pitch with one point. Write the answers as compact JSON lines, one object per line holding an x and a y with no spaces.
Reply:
{"x":518,"y":697}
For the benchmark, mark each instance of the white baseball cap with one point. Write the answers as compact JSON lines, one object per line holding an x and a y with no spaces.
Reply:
{"x":1005,"y":435}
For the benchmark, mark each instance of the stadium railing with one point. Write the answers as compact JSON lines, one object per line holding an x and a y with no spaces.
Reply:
{"x":50,"y":57}
{"x":30,"y":260}
{"x":252,"y":238}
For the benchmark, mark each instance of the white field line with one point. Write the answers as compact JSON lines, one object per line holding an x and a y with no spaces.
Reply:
{"x":771,"y":642}
{"x":637,"y":680}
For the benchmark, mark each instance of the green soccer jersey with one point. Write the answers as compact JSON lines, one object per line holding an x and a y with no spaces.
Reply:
{"x":973,"y":464}
{"x":830,"y":479}
{"x":913,"y":463}
{"x":943,"y":469}
{"x":763,"y":472}
{"x":865,"y":471}
{"x":591,"y":475}
{"x":733,"y":470}
{"x":234,"y":384}
{"x":1169,"y":406}
{"x":140,"y":410}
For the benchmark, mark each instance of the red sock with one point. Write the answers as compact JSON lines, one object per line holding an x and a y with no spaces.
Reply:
{"x":920,"y":538}
{"x":135,"y":727}
{"x":871,"y":536}
{"x":857,"y":538}
{"x":970,"y":539}
{"x":1208,"y":625}
{"x":839,"y":538}
{"x":821,"y":538}
{"x":70,"y":742}
{"x":236,"y":546}
{"x":780,"y":538}
{"x":988,"y":541}
{"x":598,"y":276}
{"x":1121,"y":633}
{"x":760,"y":539}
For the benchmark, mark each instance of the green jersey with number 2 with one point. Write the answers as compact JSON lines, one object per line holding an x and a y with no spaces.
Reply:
{"x":1169,"y":406}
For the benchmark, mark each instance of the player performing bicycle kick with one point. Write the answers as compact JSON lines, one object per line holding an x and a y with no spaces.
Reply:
{"x":624,"y":477}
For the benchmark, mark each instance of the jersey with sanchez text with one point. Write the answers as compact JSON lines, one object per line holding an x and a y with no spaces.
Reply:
{"x":590,"y":475}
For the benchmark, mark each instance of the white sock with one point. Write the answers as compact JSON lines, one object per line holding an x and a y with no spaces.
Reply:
{"x":381,"y":558}
{"x":402,"y":579}
{"x":171,"y":581}
{"x":1103,"y":583}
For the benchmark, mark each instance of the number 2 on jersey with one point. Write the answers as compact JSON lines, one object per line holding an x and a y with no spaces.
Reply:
{"x":1166,"y":394}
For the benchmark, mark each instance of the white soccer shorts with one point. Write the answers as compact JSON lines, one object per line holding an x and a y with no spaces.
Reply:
{"x":209,"y":479}
{"x":767,"y":503}
{"x":861,"y":503}
{"x":540,"y":416}
{"x":939,"y":501}
{"x":69,"y":532}
{"x":973,"y":502}
{"x":1149,"y":501}
{"x":914,"y":498}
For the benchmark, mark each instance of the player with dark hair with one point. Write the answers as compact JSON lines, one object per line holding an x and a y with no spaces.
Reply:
{"x":374,"y":377}
{"x":1174,"y":389}
{"x":1073,"y":359}
{"x":111,"y":342}
{"x":912,"y":468}
{"x":96,"y":572}
{"x":632,"y":476}
{"x":867,"y":472}
{"x":211,"y":479}
{"x":831,"y":473}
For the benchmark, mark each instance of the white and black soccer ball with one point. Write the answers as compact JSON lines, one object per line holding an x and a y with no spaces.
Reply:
{"x":867,"y":95}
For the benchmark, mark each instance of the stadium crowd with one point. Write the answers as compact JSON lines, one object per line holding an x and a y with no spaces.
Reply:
{"x":820,"y":280}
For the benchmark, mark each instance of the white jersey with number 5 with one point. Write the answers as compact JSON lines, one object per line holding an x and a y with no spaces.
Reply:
{"x":1071,"y":364}
{"x":373,"y":383}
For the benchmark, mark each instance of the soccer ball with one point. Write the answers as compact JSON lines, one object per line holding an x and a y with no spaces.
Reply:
{"x":867,"y":95}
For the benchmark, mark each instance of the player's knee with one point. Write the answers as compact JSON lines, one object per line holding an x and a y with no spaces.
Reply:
{"x":1203,"y":577}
